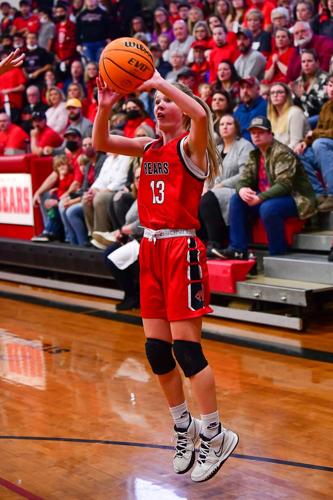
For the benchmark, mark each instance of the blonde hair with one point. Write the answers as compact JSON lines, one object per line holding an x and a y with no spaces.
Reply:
{"x":51,"y":90}
{"x":83,"y":160}
{"x":213,"y":154}
{"x":279,"y":121}
{"x":61,"y":160}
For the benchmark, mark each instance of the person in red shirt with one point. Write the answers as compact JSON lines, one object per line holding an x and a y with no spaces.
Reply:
{"x":277,"y":64}
{"x":223,"y":50}
{"x":26,"y":22}
{"x":173,"y":270}
{"x":41,"y":135}
{"x":200,"y":65}
{"x":12,"y":84}
{"x":65,"y":38}
{"x":13,"y":139}
{"x":136,"y":115}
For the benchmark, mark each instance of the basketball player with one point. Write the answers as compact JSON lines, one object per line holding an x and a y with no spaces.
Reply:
{"x":13,"y":60}
{"x":173,"y":271}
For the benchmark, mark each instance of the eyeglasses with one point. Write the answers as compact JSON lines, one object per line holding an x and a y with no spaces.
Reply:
{"x":277,"y":92}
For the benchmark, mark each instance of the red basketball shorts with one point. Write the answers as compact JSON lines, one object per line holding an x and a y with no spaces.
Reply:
{"x":173,"y":278}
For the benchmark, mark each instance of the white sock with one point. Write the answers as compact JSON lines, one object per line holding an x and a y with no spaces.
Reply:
{"x":210,"y":424}
{"x":181,"y":416}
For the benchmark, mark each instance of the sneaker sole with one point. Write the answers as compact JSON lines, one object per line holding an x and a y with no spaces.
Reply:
{"x":215,"y":471}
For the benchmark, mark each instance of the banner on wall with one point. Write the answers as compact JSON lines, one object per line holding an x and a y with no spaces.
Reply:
{"x":16,"y":199}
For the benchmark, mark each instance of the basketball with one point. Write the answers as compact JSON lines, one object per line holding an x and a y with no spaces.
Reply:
{"x":125,"y":64}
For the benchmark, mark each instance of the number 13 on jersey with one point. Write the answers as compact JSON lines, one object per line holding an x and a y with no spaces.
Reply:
{"x":157,"y":188}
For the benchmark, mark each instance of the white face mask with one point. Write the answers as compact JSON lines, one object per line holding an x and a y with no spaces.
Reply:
{"x":32,"y":47}
{"x":18,"y":45}
{"x":43,"y":20}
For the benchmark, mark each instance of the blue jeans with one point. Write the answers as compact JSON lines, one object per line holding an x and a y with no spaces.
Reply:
{"x":272,"y":212}
{"x":311,"y":167}
{"x":93,"y":50}
{"x":323,"y":152}
{"x":54,"y":224}
{"x":312,"y":121}
{"x":75,"y":226}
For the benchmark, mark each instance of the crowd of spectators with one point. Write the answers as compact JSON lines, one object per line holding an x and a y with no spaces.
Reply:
{"x":245,"y":58}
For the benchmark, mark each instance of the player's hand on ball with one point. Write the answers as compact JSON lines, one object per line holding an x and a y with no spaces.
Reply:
{"x":152,"y":83}
{"x":106,"y":97}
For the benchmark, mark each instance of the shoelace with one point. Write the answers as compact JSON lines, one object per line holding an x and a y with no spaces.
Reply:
{"x":203,"y":452}
{"x":181,"y":443}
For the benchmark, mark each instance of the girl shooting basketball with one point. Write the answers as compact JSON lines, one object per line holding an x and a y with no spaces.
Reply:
{"x":173,"y":271}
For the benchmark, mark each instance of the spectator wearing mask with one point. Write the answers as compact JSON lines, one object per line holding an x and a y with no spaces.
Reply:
{"x":277,"y":63}
{"x":41,"y":135}
{"x":65,"y":38}
{"x":250,"y":62}
{"x":304,"y":38}
{"x":36,"y":62}
{"x":272,"y":186}
{"x":46,"y":33}
{"x":92,"y":29}
{"x":135,"y":115}
{"x":13,"y":139}
{"x":252,"y":104}
{"x":33,"y":104}
{"x":26,"y":22}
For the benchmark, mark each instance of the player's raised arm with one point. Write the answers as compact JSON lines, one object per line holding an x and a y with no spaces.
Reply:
{"x":198,"y":135}
{"x":13,"y":60}
{"x":102,"y":140}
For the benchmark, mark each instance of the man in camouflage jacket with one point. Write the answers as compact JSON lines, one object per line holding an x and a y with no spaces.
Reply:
{"x":273,"y":186}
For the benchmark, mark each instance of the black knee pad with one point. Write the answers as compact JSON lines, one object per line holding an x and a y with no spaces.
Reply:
{"x":189,"y":356}
{"x":159,"y":354}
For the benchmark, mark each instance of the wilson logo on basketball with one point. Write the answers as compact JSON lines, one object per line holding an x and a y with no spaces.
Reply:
{"x":131,"y":45}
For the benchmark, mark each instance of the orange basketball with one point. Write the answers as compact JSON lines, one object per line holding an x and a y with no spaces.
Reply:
{"x":126,"y":63}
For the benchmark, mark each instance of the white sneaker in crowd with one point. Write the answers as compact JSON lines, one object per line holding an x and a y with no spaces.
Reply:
{"x":185,"y":446}
{"x":213,"y":453}
{"x":98,"y":245}
{"x":105,"y":238}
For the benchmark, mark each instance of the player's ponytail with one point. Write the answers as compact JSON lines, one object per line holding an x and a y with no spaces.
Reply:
{"x":212,"y":151}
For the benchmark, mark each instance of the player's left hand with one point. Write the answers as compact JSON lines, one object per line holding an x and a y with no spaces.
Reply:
{"x":13,"y":60}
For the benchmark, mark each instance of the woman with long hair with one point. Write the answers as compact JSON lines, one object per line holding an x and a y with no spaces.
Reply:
{"x":173,"y":270}
{"x":288,"y":121}
{"x":162,"y":24}
{"x":56,"y":114}
{"x":221,"y":104}
{"x":236,"y":17}
{"x":228,"y":79}
{"x":214,"y":204}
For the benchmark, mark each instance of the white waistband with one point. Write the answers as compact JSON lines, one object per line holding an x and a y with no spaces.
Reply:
{"x":161,"y":234}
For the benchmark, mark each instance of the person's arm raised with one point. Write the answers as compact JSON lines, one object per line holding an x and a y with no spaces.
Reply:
{"x":198,"y":136}
{"x":102,"y":140}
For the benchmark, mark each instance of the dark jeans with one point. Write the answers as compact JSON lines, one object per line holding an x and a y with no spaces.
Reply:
{"x":213,"y":227}
{"x":272,"y":212}
{"x":127,"y":279}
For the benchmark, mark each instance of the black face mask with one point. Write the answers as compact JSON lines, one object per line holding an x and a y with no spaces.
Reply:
{"x":133,"y":113}
{"x":72,"y":146}
{"x":59,"y":19}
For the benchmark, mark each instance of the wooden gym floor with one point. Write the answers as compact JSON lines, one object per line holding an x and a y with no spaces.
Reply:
{"x":82,"y":417}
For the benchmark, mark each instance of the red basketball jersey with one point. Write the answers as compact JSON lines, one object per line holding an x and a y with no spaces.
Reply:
{"x":169,"y":192}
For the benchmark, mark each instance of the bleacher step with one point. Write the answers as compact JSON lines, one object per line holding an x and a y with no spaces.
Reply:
{"x":298,"y":266}
{"x":317,"y":241}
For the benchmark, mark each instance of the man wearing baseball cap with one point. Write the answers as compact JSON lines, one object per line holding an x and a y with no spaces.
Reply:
{"x":273,"y":186}
{"x":75,"y":118}
{"x":251,"y":105}
{"x":250,"y":61}
{"x":41,"y":135}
